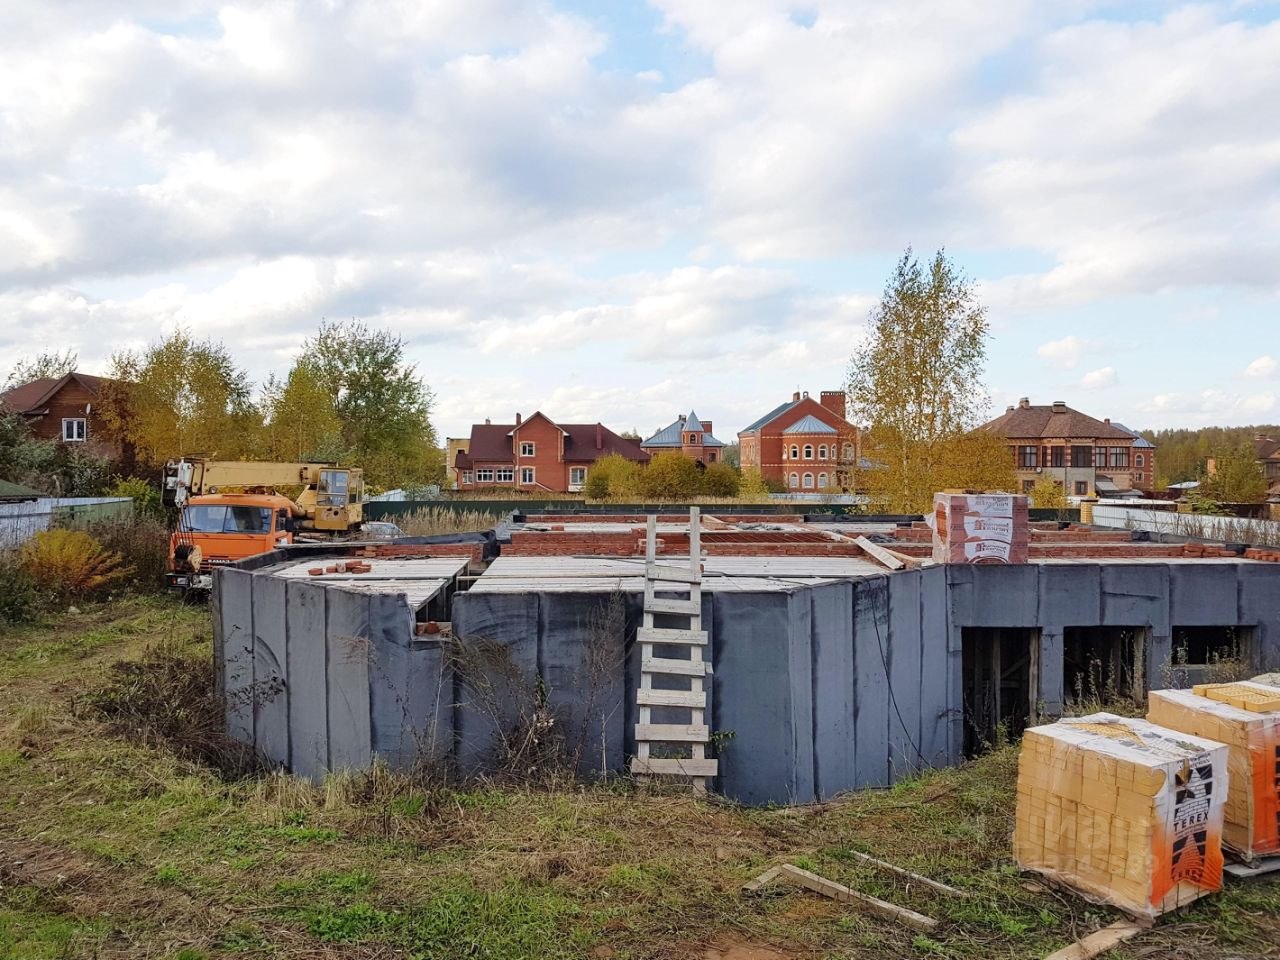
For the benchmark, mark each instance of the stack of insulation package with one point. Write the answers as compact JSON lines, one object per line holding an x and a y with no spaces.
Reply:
{"x":1126,"y":812}
{"x":1245,"y":717}
{"x":980,"y":528}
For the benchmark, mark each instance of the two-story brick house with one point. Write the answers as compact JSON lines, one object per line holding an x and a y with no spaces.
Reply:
{"x":688,"y":435}
{"x":1267,"y":450}
{"x":803,"y":444}
{"x":1083,"y":454}
{"x":65,"y":409}
{"x":537,"y":454}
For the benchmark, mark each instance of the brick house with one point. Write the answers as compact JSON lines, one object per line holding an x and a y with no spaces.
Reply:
{"x":537,"y":454}
{"x":803,"y":444}
{"x":1083,"y":454}
{"x":690,"y":436}
{"x":1267,"y":450}
{"x":63,"y":409}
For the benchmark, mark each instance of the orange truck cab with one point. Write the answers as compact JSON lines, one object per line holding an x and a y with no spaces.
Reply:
{"x":220,"y":528}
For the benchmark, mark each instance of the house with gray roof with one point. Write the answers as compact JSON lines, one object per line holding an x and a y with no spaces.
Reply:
{"x":805,"y":444}
{"x":688,"y":435}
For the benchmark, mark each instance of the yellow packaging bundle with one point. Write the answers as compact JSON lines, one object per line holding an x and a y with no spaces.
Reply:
{"x":1235,"y":714}
{"x":1126,"y":812}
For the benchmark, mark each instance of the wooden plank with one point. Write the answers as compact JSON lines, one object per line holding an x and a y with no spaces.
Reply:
{"x":661,"y":605}
{"x":675,"y":766}
{"x":751,"y":886}
{"x":1100,"y":941}
{"x":878,"y":553}
{"x":673,"y":732}
{"x":681,"y":668}
{"x":665,"y":572}
{"x":837,"y":891}
{"x":670,"y":635}
{"x":1255,"y":869}
{"x":671,"y":698}
{"x":908,"y":875}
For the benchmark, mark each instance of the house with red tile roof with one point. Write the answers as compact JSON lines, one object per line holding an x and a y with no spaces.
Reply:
{"x":64,"y":409}
{"x":537,"y":454}
{"x":1084,"y":455}
{"x":803,"y":444}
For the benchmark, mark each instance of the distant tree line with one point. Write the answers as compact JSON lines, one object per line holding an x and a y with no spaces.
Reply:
{"x":1183,"y":454}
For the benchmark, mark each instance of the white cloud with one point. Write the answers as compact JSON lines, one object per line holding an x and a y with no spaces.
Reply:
{"x":1263,"y":367}
{"x":1099,"y":379}
{"x":1208,"y":407}
{"x":1068,"y":351}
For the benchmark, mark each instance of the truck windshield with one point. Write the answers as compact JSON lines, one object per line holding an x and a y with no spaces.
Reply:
{"x":216,"y":518}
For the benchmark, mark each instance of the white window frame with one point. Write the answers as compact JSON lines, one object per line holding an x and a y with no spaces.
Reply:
{"x":83,"y":431}
{"x":527,"y":475}
{"x":822,"y":451}
{"x":527,"y":448}
{"x":505,"y":475}
{"x":466,"y":476}
{"x":795,"y":452}
{"x":807,"y":481}
{"x":484,"y":475}
{"x":795,"y":481}
{"x":1139,"y":460}
{"x":822,"y":481}
{"x":577,"y":476}
{"x":848,"y":451}
{"x":808,"y":451}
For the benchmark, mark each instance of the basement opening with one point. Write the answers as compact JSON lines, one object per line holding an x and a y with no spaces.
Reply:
{"x":1103,"y":664}
{"x":1001,"y":672}
{"x":1213,"y":654}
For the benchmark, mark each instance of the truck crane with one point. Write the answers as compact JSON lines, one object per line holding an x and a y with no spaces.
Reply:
{"x":232,"y":509}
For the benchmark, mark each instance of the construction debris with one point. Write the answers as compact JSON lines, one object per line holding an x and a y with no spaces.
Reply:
{"x":837,"y":891}
{"x":1100,"y":941}
{"x":908,"y":875}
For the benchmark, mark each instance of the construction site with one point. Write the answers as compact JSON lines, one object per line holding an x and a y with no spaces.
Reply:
{"x":774,"y":659}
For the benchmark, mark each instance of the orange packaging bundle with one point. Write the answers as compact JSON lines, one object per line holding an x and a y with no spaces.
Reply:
{"x":980,"y":528}
{"x":1245,"y":717}
{"x":1125,"y":811}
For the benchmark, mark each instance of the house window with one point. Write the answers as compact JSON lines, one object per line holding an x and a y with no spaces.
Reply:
{"x":795,"y":480}
{"x":822,"y":452}
{"x":73,"y":429}
{"x":1100,"y":458}
{"x":808,"y":451}
{"x":808,"y":481}
{"x":795,"y":452}
{"x":848,"y":451}
{"x":484,"y":475}
{"x":526,"y":474}
{"x":711,"y":456}
{"x":822,"y":481}
{"x":1027,"y":457}
{"x":1028,"y":486}
{"x":1120,"y":457}
{"x":1057,"y":456}
{"x":1082,"y":488}
{"x":466,"y":476}
{"x":1140,"y":461}
{"x":577,"y":476}
{"x":506,"y":474}
{"x":1082,"y":456}
{"x":526,"y":448}
{"x":693,"y":439}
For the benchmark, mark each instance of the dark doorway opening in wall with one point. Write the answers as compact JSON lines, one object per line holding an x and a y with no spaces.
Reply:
{"x":1215,"y":654}
{"x":1001,"y":674}
{"x":1103,"y":664}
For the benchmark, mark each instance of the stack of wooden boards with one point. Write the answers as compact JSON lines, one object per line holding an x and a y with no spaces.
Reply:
{"x":1246,"y":717}
{"x":1136,"y":812}
{"x":1124,"y":811}
{"x":980,"y":528}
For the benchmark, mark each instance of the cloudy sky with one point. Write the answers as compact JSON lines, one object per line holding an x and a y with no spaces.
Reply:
{"x":618,"y":210}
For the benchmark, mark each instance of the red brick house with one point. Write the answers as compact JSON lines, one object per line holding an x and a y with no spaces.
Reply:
{"x":65,"y":409}
{"x":537,"y":454}
{"x":689,"y":436}
{"x":804,"y":444}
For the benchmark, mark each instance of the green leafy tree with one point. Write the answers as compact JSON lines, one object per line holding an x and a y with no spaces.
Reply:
{"x":916,"y":380}
{"x":670,"y":475}
{"x":181,"y":397}
{"x":52,"y":366}
{"x":301,"y":417}
{"x":721,"y":480}
{"x":1237,"y":477}
{"x":57,"y":469}
{"x":383,"y":406}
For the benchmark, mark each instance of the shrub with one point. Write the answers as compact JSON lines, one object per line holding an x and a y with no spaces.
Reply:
{"x":146,"y":498}
{"x":142,"y":544}
{"x":71,"y":563}
{"x":720,"y":480}
{"x":20,"y":598}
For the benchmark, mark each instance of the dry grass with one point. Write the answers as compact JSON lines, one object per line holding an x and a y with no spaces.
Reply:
{"x":129,"y":846}
{"x":433,"y":521}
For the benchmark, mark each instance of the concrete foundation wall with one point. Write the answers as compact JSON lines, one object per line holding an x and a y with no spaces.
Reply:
{"x":822,"y":688}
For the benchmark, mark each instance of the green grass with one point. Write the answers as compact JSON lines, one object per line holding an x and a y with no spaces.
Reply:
{"x":163,"y":857}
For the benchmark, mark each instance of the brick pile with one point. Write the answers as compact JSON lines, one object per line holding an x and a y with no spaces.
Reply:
{"x":1123,"y":810}
{"x":1246,"y":718}
{"x":980,"y":528}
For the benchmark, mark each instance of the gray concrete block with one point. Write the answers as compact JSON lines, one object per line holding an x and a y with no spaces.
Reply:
{"x":270,"y":702}
{"x":1203,"y":594}
{"x":236,"y":599}
{"x":1071,"y":595}
{"x":937,"y":708}
{"x":307,"y":669}
{"x":831,"y":648}
{"x":348,"y":650}
{"x":1135,"y":595}
{"x":871,"y":681}
{"x":903,"y":592}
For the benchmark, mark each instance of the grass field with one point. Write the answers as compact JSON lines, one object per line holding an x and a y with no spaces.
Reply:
{"x":116,"y":846}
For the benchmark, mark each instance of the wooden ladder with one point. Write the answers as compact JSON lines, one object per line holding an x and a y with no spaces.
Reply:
{"x":680,"y":737}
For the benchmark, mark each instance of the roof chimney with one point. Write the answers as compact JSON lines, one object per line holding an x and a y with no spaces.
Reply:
{"x":680,"y":417}
{"x":1024,"y":403}
{"x":488,"y":422}
{"x":599,"y":437}
{"x":795,"y":397}
{"x":517,"y":418}
{"x":806,"y":394}
{"x":1106,"y":420}
{"x":1009,"y":408}
{"x":1059,"y":406}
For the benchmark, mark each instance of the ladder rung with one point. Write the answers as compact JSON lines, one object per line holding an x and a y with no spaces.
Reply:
{"x":671,"y":698}
{"x":688,"y":768}
{"x":670,"y":635}
{"x":663,"y":571}
{"x":673,"y":732}
{"x":660,"y":605}
{"x":682,"y":668}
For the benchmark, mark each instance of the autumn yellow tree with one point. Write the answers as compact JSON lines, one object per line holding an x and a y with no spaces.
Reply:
{"x":1048,"y":494}
{"x":916,"y":383}
{"x":181,"y":397}
{"x":301,"y":418}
